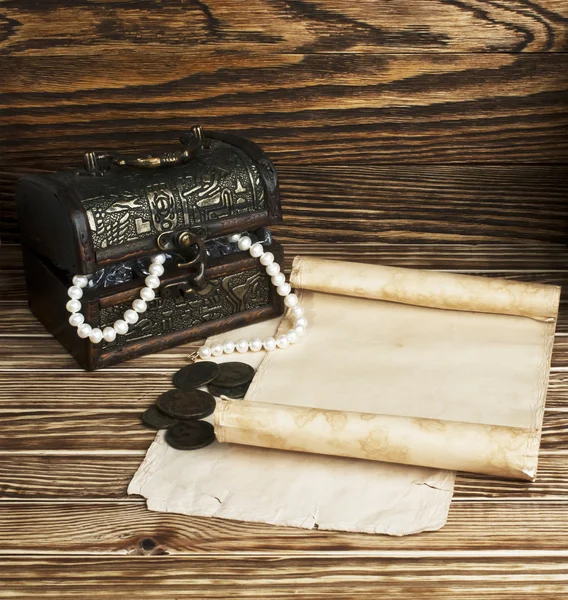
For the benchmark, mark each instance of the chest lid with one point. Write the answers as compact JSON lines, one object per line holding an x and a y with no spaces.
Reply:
{"x":118,"y":208}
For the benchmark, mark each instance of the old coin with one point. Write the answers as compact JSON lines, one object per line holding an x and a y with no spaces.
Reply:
{"x":195,"y":375}
{"x":233,"y":380}
{"x":190,"y":435}
{"x":233,"y":374}
{"x":193,"y":404}
{"x":157,"y":419}
{"x":238,"y":391}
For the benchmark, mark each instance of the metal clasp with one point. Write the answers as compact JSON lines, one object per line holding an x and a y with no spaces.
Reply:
{"x":190,"y":246}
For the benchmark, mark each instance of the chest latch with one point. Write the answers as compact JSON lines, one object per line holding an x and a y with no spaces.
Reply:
{"x":189,"y":247}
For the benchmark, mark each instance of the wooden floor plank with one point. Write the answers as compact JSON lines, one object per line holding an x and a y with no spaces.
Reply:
{"x":113,"y":430}
{"x":415,"y":26}
{"x":90,"y":477}
{"x":491,"y":258}
{"x":109,"y":527}
{"x":302,"y":108}
{"x":395,"y":203}
{"x":281,"y":576}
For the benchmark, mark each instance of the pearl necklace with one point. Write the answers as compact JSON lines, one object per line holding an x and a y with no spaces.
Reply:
{"x":147,"y":294}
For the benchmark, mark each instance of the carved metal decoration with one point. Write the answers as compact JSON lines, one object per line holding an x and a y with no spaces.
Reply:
{"x":220,"y":181}
{"x":179,"y":307}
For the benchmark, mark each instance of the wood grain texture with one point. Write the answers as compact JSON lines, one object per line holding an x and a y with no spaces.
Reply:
{"x":310,"y":577}
{"x":79,"y":28}
{"x":118,"y":527}
{"x":410,"y":132}
{"x":525,"y":259}
{"x":122,"y":432}
{"x":303,"y":109}
{"x":412,"y":204}
{"x":62,"y":477}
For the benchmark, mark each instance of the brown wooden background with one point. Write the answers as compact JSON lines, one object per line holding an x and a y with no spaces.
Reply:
{"x":427,"y":133}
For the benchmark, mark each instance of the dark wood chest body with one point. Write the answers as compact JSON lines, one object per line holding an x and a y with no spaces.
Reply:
{"x":107,"y":220}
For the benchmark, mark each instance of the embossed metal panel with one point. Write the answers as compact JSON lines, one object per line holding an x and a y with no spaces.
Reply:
{"x":177,"y":310}
{"x":126,"y":205}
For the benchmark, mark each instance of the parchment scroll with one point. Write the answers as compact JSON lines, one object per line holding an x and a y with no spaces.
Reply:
{"x":448,"y":371}
{"x":442,"y":364}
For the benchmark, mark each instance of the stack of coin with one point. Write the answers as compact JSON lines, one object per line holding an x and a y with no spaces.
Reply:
{"x":233,"y":380}
{"x":180,"y":410}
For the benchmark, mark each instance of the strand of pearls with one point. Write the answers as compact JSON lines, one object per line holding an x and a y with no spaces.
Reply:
{"x":283,"y":288}
{"x":131,"y":316}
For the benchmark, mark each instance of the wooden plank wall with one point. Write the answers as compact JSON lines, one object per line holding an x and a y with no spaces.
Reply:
{"x":391,"y":120}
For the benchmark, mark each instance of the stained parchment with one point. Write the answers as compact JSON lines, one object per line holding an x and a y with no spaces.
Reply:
{"x":404,"y":346}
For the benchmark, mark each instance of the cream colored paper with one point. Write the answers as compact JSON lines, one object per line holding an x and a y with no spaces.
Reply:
{"x":455,"y":372}
{"x":289,"y":488}
{"x":392,"y":358}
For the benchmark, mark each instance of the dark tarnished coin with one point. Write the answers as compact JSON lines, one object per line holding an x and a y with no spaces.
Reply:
{"x":193,"y":404}
{"x":238,"y":391}
{"x":195,"y":375}
{"x":190,"y":435}
{"x":157,"y":419}
{"x":233,"y":374}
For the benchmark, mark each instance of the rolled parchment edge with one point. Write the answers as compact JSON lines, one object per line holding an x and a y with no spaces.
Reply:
{"x":432,"y":289}
{"x":457,"y":446}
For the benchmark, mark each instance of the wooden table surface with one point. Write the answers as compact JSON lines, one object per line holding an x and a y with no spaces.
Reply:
{"x":422,"y":133}
{"x":70,"y":442}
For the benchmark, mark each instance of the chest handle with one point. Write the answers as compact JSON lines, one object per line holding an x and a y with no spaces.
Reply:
{"x":96,"y":163}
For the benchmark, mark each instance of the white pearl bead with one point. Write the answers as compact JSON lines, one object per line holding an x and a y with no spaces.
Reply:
{"x":204,"y":352}
{"x":284,"y":289}
{"x":147,"y":294}
{"x":156,"y":269}
{"x":269,"y":344}
{"x":273,"y":269}
{"x":76,"y":319}
{"x":75,"y":292}
{"x":84,"y":331}
{"x":297,"y":311}
{"x":278,"y":279}
{"x":109,"y":334}
{"x":131,"y":316}
{"x":300,"y":330}
{"x":256,"y":250}
{"x":159,"y":259}
{"x":139,"y":305}
{"x":228,"y":347}
{"x":242,"y":346}
{"x":96,"y":335}
{"x":80,"y":281}
{"x":282,"y":341}
{"x":267,"y":259}
{"x":216,"y":349}
{"x":255,"y":344}
{"x":244,"y":243}
{"x":152,"y":282}
{"x":121,"y":326}
{"x":73,"y":306}
{"x":234,"y":237}
{"x":292,"y":336}
{"x":301,"y":321}
{"x":291,"y":300}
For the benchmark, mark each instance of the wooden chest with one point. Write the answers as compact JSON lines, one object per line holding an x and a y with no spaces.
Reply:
{"x":108,"y":220}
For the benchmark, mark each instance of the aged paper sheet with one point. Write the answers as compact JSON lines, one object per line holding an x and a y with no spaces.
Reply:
{"x":457,"y":376}
{"x":440,"y":347}
{"x":289,"y":488}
